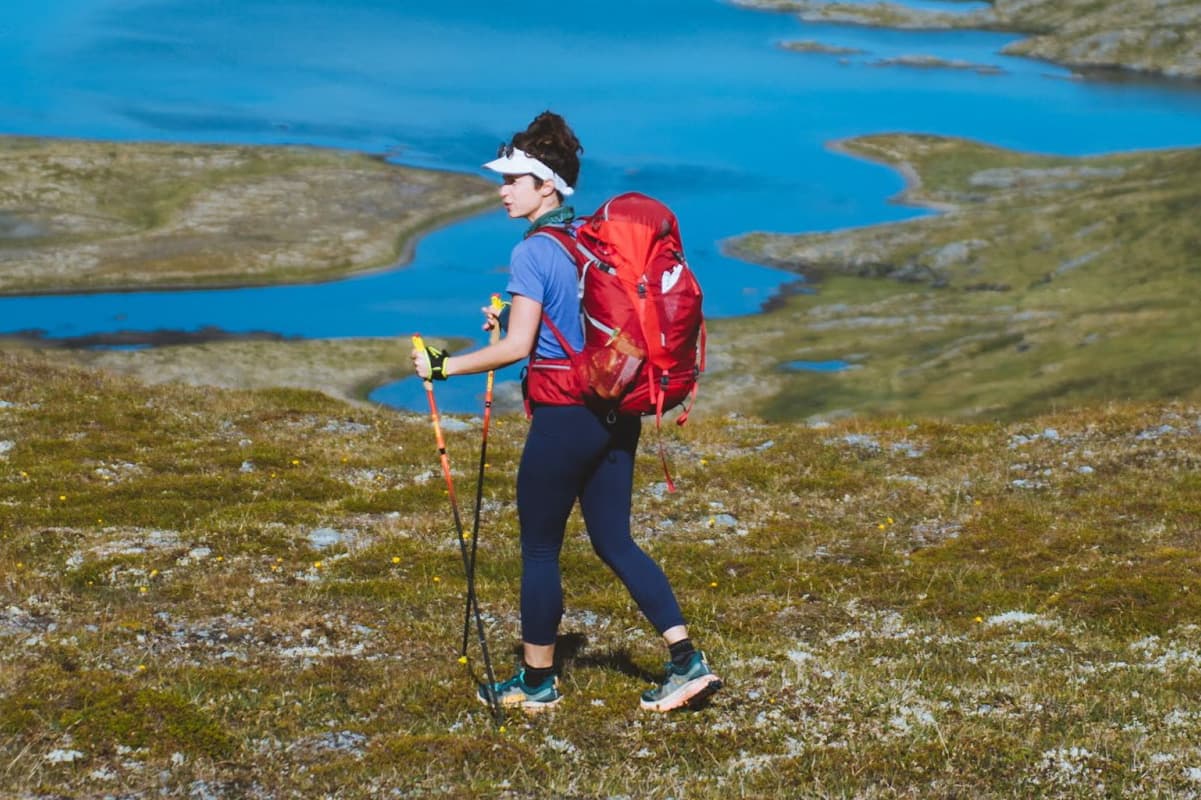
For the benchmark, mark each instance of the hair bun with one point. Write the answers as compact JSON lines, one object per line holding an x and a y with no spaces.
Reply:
{"x":550,"y":140}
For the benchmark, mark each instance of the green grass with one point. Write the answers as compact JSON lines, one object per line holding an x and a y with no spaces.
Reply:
{"x":1112,"y":37}
{"x":900,"y":607}
{"x":141,"y":215}
{"x":1053,"y":283}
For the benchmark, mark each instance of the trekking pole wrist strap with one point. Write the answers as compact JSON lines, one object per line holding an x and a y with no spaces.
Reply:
{"x":438,"y":362}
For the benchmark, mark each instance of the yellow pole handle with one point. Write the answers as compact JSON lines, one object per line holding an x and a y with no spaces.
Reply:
{"x":498,"y":306}
{"x":419,"y":344}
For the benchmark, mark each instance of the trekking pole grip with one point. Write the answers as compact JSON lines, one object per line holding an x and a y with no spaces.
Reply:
{"x":419,"y":344}
{"x":498,"y":306}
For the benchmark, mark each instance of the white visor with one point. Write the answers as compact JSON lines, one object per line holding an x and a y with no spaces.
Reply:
{"x":520,"y":162}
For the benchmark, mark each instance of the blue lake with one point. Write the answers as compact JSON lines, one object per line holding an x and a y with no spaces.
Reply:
{"x":688,"y":100}
{"x":836,"y":365}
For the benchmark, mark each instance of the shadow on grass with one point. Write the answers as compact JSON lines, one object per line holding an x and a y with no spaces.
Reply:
{"x":569,"y":649}
{"x":570,"y":652}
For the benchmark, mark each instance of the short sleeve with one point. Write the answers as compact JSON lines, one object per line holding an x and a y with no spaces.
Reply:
{"x":541,"y":270}
{"x":525,"y":276}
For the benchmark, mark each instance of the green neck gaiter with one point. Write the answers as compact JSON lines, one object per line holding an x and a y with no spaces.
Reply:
{"x":559,"y":216}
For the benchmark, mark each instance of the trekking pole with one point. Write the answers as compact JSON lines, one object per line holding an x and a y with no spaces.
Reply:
{"x":490,"y":691}
{"x":494,"y":337}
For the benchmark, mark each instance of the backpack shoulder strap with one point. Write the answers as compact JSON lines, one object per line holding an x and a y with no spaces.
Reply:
{"x":575,"y":250}
{"x":555,"y":330}
{"x":562,"y":237}
{"x":566,"y":241}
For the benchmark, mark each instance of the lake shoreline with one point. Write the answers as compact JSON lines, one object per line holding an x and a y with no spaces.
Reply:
{"x":1038,"y":268}
{"x":408,"y":247}
{"x":1087,"y":36}
{"x":96,"y":216}
{"x":879,"y":255}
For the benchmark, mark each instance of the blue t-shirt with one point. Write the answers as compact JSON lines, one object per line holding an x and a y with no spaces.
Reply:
{"x":541,"y":271}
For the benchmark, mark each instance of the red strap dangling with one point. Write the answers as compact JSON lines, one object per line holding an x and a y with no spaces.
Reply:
{"x":671,"y":485}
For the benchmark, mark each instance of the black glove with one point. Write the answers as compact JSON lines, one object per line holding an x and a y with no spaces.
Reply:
{"x":437,"y":362}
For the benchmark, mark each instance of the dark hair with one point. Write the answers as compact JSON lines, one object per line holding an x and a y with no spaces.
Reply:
{"x":550,"y":140}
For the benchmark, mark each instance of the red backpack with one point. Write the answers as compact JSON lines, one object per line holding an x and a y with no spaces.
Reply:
{"x":644,"y":333}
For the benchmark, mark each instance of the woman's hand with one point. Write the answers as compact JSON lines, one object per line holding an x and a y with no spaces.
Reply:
{"x":421,"y":363}
{"x":496,"y":315}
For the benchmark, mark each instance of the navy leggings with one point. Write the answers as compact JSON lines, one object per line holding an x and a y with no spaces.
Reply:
{"x":572,"y":452}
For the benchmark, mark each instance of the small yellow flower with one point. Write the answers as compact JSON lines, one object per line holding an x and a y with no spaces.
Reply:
{"x":975,"y":502}
{"x":713,"y":584}
{"x":20,"y":565}
{"x":143,"y":589}
{"x":296,"y":462}
{"x":462,"y":659}
{"x":881,"y":526}
{"x":24,"y":474}
{"x":275,"y":567}
{"x":153,"y":573}
{"x":437,"y":579}
{"x":316,"y":565}
{"x":141,"y":667}
{"x":712,"y":521}
{"x":220,"y":558}
{"x":345,"y":459}
{"x":62,"y":497}
{"x":979,"y":619}
{"x":279,"y":560}
{"x":704,"y":462}
{"x":395,"y":559}
{"x":890,"y":520}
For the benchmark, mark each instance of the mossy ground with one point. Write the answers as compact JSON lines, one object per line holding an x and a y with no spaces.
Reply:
{"x":260,"y":594}
{"x":1046,"y":282}
{"x":92,"y":216}
{"x":1150,"y":37}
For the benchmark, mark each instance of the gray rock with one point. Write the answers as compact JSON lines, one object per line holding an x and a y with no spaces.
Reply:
{"x":322,"y":538}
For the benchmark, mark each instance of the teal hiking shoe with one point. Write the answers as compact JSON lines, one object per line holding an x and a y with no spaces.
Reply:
{"x":688,"y":686}
{"x":514,"y":693}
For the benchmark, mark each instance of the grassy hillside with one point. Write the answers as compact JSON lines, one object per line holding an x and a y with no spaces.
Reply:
{"x":214,"y":593}
{"x":92,"y":216}
{"x":1047,"y":282}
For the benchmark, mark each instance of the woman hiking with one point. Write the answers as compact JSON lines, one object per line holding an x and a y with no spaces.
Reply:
{"x":571,"y":452}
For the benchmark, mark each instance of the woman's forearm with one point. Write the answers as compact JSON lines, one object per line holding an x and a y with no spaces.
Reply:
{"x":494,"y":356}
{"x":525,"y":318}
